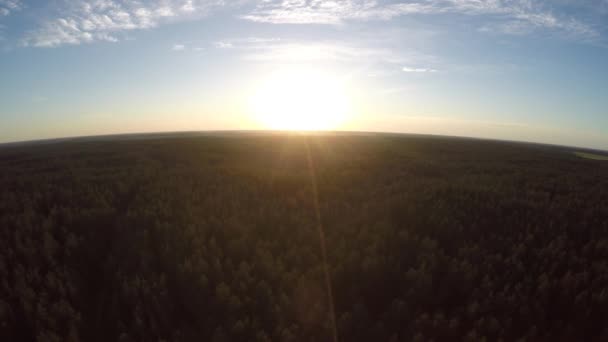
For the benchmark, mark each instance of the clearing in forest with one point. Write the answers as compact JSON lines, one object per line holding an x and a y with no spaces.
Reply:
{"x":593,"y":156}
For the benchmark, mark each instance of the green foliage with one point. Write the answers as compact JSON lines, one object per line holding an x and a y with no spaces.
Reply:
{"x":213,"y":238}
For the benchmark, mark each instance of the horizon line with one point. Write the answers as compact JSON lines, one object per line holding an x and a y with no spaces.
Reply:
{"x":277,"y":131}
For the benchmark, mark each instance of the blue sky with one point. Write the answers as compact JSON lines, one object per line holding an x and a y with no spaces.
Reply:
{"x":506,"y":69}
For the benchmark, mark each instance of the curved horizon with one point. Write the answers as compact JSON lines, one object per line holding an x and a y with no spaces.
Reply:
{"x":278,"y":131}
{"x":508,"y":70}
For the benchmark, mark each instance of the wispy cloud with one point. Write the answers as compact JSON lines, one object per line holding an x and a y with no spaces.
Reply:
{"x":296,"y":51}
{"x":528,"y":16}
{"x":246,"y":42}
{"x":418,"y":70}
{"x":10,"y":6}
{"x":223,"y":45}
{"x":508,"y":16}
{"x":72,"y":22}
{"x":361,"y":57}
{"x":331,"y":12}
{"x":86,"y":21}
{"x":178,"y":47}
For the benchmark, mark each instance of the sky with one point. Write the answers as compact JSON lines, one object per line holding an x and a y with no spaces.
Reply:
{"x":530,"y":70}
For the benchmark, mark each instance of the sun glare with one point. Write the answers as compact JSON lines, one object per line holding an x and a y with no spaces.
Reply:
{"x":301,"y":99}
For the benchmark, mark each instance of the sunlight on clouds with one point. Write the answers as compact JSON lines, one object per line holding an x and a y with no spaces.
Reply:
{"x":296,"y":51}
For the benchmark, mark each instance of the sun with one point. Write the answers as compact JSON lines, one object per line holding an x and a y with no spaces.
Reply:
{"x":302,"y":99}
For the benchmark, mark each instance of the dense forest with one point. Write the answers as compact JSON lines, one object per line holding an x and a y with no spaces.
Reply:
{"x":214,"y":238}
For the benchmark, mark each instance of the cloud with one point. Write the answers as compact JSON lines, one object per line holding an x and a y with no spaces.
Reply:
{"x":526,"y":18}
{"x":187,"y":46}
{"x":9,"y":6}
{"x":72,"y":22}
{"x":250,"y":43}
{"x":512,"y":16}
{"x":418,"y":70}
{"x":330,"y":12}
{"x":223,"y":45}
{"x":188,"y":6}
{"x":280,"y":50}
{"x":86,"y":21}
{"x":178,"y":47}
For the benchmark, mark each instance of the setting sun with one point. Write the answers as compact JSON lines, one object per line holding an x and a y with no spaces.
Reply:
{"x":303,"y":170}
{"x":300,"y":99}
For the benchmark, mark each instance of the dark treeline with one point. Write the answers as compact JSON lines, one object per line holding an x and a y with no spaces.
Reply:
{"x":214,"y":239}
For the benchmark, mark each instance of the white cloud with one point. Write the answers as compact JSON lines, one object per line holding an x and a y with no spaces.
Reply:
{"x":14,"y":5}
{"x":86,"y":21}
{"x":529,"y":16}
{"x":295,"y":51}
{"x":418,"y":70}
{"x":514,"y":16}
{"x":329,"y":12}
{"x":223,"y":45}
{"x":9,"y":6}
{"x":178,"y":47}
{"x":246,"y":43}
{"x":188,"y":6}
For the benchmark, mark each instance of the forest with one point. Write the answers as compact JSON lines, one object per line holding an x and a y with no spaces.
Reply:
{"x":214,"y":237}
